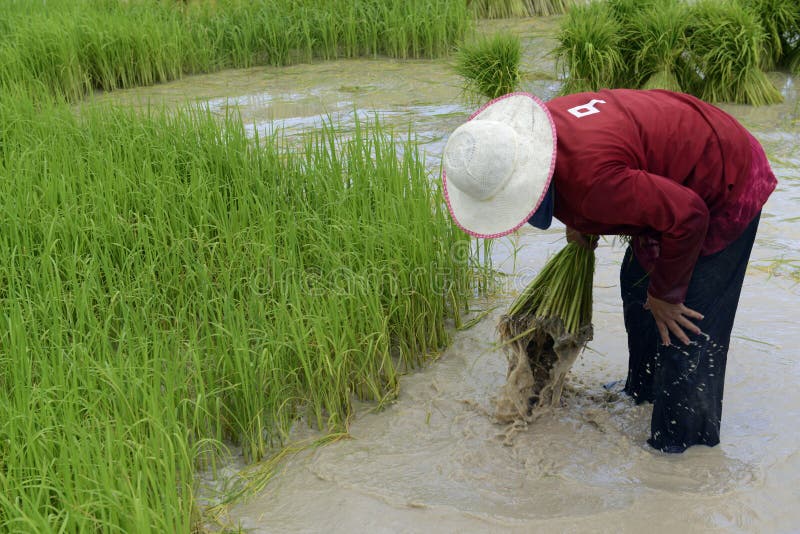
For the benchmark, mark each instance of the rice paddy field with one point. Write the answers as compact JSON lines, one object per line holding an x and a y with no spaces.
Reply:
{"x":233,"y":300}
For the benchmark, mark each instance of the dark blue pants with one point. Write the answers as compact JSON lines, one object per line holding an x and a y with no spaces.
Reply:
{"x":685,"y":383}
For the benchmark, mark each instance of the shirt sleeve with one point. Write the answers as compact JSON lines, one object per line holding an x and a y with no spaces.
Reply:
{"x":631,"y":197}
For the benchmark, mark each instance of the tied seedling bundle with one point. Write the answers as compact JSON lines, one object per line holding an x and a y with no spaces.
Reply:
{"x":543,"y":332}
{"x":662,"y":39}
{"x":489,"y":66}
{"x":589,"y":53}
{"x":503,"y":9}
{"x":781,"y":22}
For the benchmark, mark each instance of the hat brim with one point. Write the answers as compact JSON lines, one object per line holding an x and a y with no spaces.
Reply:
{"x":510,"y":208}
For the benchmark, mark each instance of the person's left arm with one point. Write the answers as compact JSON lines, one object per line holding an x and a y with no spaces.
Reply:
{"x":631,"y":197}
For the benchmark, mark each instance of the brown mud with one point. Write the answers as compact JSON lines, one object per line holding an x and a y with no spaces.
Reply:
{"x":540,"y":354}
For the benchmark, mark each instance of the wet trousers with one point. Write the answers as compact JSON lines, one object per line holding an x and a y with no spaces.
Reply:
{"x":685,"y":383}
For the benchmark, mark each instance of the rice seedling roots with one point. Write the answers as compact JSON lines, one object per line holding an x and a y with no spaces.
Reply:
{"x":540,"y":353}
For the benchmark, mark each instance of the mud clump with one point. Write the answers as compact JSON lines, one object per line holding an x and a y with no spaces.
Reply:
{"x":540,"y":353}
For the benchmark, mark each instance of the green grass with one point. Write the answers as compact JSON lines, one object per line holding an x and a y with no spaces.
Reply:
{"x":72,"y":48}
{"x":168,"y":285}
{"x":489,"y":66}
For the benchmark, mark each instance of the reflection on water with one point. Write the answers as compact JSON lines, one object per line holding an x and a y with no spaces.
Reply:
{"x":434,"y":461}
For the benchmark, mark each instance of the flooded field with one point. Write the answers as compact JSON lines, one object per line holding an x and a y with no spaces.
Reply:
{"x":434,"y":461}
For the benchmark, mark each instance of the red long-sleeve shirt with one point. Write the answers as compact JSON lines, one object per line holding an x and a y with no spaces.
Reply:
{"x":666,"y":168}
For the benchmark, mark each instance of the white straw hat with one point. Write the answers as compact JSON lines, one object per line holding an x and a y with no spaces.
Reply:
{"x":498,"y":165}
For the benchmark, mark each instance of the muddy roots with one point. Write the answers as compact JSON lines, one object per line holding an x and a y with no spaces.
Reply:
{"x":540,"y":354}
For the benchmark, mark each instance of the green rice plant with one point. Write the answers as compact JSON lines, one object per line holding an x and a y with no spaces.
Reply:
{"x":420,"y":28}
{"x":625,"y":10}
{"x":73,"y":48}
{"x":117,"y":54}
{"x":786,"y":267}
{"x":489,"y":66}
{"x":170,"y":286}
{"x":589,"y":51}
{"x":562,"y":290}
{"x":498,"y":9}
{"x":544,"y":330}
{"x":793,"y":60}
{"x":628,"y":14}
{"x":503,"y":9}
{"x":546,"y":8}
{"x":662,"y":30}
{"x":781,"y":22}
{"x":725,"y":44}
{"x":40,"y":53}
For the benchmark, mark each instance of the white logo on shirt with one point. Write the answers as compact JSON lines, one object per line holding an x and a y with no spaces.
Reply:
{"x":586,"y":109}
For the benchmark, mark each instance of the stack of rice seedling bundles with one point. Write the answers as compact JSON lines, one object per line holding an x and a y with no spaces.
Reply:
{"x":543,"y":332}
{"x":725,"y":44}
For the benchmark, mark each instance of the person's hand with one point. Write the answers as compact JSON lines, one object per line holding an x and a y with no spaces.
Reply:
{"x":586,"y":241}
{"x":672,"y":318}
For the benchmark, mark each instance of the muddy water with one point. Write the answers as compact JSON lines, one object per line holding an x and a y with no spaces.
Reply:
{"x":434,"y":461}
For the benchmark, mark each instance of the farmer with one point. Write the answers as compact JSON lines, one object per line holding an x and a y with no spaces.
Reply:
{"x":679,"y":176}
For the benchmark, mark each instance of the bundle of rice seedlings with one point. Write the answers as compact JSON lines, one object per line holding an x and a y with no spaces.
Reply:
{"x":781,"y":22}
{"x":662,"y":28}
{"x":625,"y":13}
{"x":502,"y":9}
{"x":794,"y":61}
{"x":588,"y":52}
{"x":546,"y":8}
{"x":625,"y":10}
{"x":543,"y":332}
{"x":791,"y":49}
{"x":498,"y":9}
{"x":725,"y":42}
{"x":490,"y":66}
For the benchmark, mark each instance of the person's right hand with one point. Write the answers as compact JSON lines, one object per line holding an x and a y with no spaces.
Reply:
{"x":584,"y":240}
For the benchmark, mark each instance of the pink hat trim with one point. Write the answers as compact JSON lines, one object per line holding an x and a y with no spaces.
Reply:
{"x":549,"y":177}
